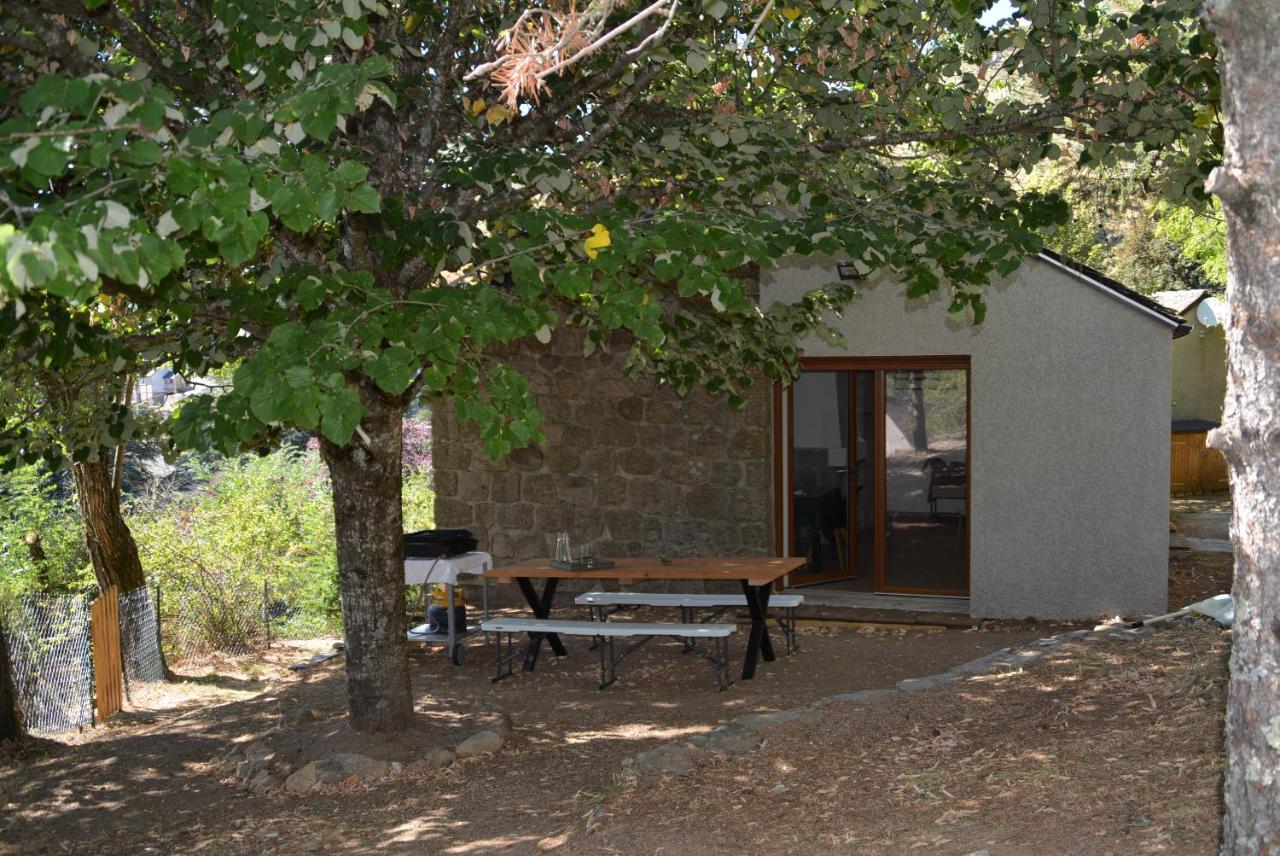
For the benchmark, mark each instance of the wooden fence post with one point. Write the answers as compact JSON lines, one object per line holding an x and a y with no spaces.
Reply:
{"x":108,"y":665}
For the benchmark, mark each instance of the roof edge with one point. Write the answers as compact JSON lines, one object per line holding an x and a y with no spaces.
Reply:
{"x":1118,"y":291}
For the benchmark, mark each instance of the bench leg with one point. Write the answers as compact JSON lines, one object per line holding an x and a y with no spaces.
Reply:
{"x":718,"y":657}
{"x":504,"y":664}
{"x":608,"y":662}
{"x":787,"y":624}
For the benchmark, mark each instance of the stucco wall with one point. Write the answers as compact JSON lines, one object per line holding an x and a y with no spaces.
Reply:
{"x":1069,"y":434}
{"x":1200,"y":372}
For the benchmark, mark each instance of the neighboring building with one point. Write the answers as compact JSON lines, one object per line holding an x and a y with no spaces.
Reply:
{"x":1021,"y":465}
{"x":1199,"y":387}
{"x":157,"y":385}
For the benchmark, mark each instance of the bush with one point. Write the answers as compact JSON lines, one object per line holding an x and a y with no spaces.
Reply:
{"x":255,"y":521}
{"x":41,"y":549}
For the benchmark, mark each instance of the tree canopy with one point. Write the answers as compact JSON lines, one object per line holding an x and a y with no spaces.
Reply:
{"x":359,"y":199}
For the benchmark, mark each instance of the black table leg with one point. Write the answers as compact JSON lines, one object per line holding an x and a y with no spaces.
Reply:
{"x":758,"y":643}
{"x":541,"y":607}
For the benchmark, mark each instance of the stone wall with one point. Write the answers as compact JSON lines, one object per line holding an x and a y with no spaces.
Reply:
{"x":628,"y":468}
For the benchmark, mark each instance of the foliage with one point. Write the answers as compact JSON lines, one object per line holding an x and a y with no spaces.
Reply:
{"x":329,"y":178}
{"x":252,"y":520}
{"x":37,"y":520}
{"x":321,"y":192}
{"x":1122,"y":226}
{"x":256,"y":520}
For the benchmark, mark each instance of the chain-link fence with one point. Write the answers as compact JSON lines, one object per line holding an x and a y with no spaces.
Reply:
{"x":140,"y":638}
{"x":51,"y":652}
{"x":51,"y":655}
{"x":230,"y":619}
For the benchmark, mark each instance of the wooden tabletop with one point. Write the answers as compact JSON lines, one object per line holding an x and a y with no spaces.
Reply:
{"x":756,"y":570}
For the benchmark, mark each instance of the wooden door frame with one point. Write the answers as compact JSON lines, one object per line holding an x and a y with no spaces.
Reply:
{"x":784,"y":477}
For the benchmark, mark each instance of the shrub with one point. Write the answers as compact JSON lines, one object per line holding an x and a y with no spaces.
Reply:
{"x":41,"y":549}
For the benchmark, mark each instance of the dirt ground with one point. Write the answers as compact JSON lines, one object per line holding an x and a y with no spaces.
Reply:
{"x":1104,"y":747}
{"x":150,"y":780}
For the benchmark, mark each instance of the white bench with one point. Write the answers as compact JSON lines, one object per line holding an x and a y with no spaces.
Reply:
{"x":604,"y":634}
{"x":597,"y":601}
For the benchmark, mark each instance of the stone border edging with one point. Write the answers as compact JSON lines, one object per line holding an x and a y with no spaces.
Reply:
{"x":740,"y":735}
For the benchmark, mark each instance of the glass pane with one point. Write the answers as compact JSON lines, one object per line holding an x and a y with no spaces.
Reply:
{"x":926,"y":479}
{"x":821,"y":444}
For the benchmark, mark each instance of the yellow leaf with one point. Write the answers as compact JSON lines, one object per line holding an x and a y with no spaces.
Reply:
{"x":498,"y":113}
{"x":477,"y":107}
{"x":790,"y":13}
{"x":597,"y":240}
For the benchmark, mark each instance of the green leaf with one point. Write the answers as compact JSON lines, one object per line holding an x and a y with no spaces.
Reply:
{"x":340,"y":413}
{"x":393,"y":369}
{"x":363,"y":199}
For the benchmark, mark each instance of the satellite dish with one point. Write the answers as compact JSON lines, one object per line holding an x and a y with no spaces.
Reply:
{"x":1210,"y":312}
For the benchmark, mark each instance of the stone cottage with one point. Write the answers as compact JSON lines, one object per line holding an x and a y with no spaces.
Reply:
{"x":1015,"y":469}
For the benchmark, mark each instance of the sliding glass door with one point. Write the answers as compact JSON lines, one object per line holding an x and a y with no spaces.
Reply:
{"x":926,"y":481}
{"x":878,"y":474}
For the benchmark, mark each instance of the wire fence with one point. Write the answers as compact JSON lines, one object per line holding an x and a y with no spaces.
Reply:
{"x":51,"y":660}
{"x":52,"y":655}
{"x":199,"y":620}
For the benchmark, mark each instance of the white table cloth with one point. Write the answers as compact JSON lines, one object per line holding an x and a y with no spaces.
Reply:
{"x":421,"y":571}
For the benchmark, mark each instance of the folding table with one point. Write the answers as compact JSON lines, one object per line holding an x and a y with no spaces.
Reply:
{"x":445,"y":571}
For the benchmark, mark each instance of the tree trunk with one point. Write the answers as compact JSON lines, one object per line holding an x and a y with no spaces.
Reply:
{"x":111,"y":546}
{"x":367,"y":518}
{"x":1248,"y":184}
{"x":10,"y":715}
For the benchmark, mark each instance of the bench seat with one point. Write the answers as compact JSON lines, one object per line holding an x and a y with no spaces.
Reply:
{"x":696,"y":601}
{"x":604,"y":632}
{"x":597,"y":601}
{"x":608,"y":628}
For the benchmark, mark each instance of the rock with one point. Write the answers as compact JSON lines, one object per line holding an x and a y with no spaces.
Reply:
{"x":302,"y":780}
{"x":669,"y":758}
{"x":480,"y":743}
{"x":730,"y":739}
{"x":915,"y":685}
{"x":754,"y":720}
{"x":262,"y":780}
{"x":344,"y":765}
{"x":439,"y":758}
{"x":258,"y":751}
{"x":859,"y":696}
{"x":297,"y":716}
{"x":498,"y":722}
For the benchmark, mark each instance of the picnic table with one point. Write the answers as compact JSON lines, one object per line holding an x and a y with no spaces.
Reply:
{"x":756,"y":575}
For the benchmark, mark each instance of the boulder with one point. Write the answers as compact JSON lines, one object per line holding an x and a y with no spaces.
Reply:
{"x":262,"y":780}
{"x":302,"y":779}
{"x":439,"y":758}
{"x":480,"y":743}
{"x":669,"y":758}
{"x":344,"y":765}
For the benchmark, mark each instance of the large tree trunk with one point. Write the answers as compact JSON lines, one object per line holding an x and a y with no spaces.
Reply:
{"x":367,"y":518}
{"x":10,"y":715}
{"x":1249,"y":185}
{"x":111,"y":546}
